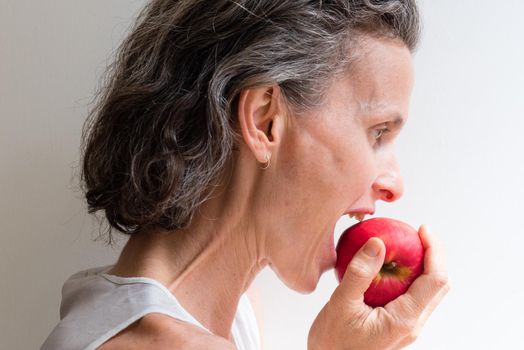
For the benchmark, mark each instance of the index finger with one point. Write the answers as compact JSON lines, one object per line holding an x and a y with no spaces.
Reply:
{"x":427,"y":286}
{"x":434,"y":257}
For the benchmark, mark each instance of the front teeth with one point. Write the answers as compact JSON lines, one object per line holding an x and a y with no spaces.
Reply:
{"x":359,"y":217}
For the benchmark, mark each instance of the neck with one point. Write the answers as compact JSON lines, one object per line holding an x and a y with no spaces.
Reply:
{"x":207,"y":266}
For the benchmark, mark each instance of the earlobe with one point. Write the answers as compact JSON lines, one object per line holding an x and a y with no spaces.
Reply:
{"x":259,"y":113}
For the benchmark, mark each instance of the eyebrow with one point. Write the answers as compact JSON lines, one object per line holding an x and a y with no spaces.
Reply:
{"x":398,"y":120}
{"x":380,"y":111}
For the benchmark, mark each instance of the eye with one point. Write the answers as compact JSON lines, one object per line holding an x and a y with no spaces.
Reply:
{"x":379,"y":133}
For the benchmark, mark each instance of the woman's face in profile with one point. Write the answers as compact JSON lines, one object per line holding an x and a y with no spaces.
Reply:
{"x":340,"y":159}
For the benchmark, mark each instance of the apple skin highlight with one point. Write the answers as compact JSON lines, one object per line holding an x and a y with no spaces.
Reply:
{"x":403,"y":263}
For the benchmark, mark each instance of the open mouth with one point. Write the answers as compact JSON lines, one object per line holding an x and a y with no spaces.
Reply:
{"x":357,"y":216}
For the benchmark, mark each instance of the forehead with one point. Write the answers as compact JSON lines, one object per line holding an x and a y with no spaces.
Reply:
{"x":381,"y":75}
{"x":384,"y":57}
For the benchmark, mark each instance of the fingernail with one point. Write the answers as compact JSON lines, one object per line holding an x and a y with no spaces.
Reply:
{"x":372,"y":248}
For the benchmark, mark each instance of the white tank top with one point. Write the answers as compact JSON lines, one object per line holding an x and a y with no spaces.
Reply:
{"x":96,"y":306}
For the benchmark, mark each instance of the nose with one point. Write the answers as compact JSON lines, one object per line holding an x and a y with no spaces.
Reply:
{"x":389,"y":186}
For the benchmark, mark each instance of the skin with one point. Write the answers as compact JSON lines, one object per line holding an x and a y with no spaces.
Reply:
{"x":335,"y":157}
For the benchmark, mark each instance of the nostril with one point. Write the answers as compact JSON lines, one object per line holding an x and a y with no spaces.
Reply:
{"x":388,"y":195}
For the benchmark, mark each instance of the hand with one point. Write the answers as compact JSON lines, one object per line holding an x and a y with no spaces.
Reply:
{"x":347,"y":323}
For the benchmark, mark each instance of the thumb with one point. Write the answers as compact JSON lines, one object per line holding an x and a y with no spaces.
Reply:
{"x":362,"y":269}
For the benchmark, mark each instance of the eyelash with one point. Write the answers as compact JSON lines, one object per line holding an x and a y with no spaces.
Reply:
{"x":380,"y":132}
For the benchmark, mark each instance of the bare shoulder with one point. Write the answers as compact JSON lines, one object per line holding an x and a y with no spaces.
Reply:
{"x":157,"y":331}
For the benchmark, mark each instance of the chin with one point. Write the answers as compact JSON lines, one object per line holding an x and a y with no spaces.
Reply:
{"x":306,"y":284}
{"x":305,"y":288}
{"x":304,"y":279}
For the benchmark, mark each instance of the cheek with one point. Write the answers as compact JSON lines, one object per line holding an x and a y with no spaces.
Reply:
{"x":356,"y":169}
{"x":311,"y":178}
{"x":362,"y":170}
{"x":324,"y":172}
{"x":323,"y":168}
{"x":354,"y":164}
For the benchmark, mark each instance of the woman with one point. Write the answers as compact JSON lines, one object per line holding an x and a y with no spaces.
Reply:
{"x":231,"y":136}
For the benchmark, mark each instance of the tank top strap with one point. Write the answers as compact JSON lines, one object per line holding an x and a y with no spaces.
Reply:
{"x":96,"y":306}
{"x":163,"y":298}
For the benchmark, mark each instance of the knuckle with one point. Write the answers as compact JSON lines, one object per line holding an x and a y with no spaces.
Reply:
{"x":411,"y":305}
{"x":446,"y":288}
{"x":411,"y":337}
{"x":412,"y":325}
{"x":441,"y":282}
{"x":358,"y":270}
{"x":407,"y":327}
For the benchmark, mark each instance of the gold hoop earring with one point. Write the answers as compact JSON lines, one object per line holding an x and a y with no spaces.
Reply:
{"x":268,"y":162}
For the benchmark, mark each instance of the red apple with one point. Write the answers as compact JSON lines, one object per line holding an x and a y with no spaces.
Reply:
{"x":403,"y":263}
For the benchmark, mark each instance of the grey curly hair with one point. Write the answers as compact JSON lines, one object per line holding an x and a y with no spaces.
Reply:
{"x":163,"y":127}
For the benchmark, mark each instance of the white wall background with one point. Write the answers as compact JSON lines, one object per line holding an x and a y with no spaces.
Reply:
{"x":461,"y":152}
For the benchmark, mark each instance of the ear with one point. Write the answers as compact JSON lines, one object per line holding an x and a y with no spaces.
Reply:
{"x":261,"y":120}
